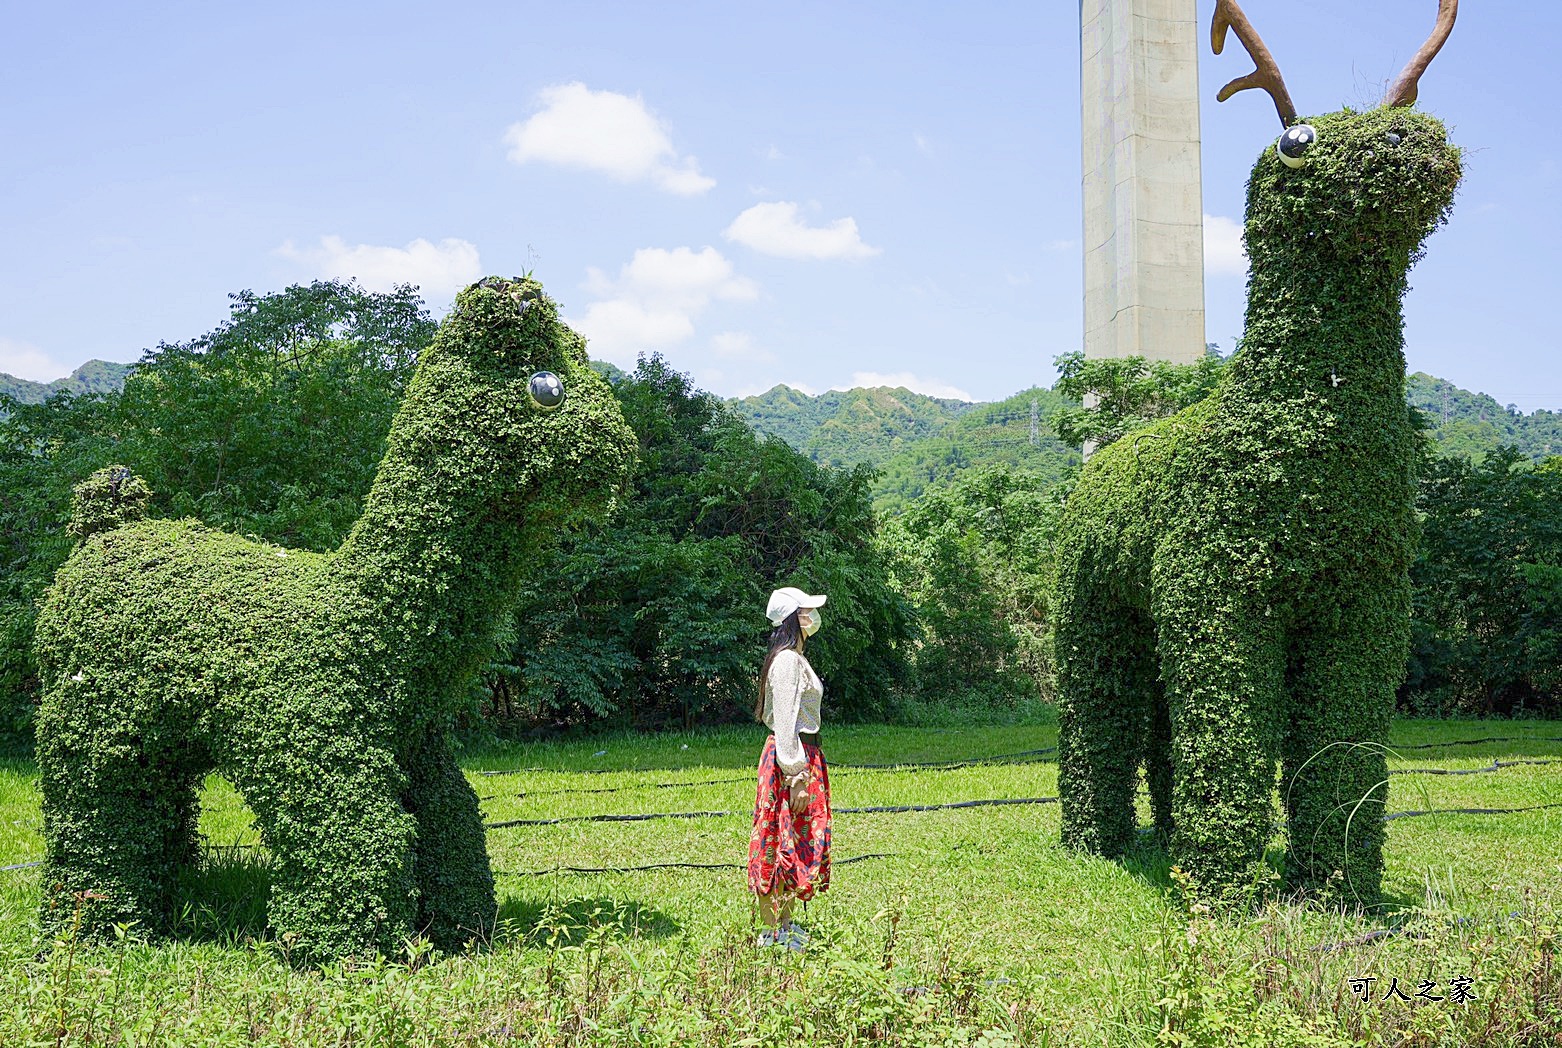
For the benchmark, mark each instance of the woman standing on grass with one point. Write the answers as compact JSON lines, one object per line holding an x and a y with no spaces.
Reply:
{"x":789,"y":849}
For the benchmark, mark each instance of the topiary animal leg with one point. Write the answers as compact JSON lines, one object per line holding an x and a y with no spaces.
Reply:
{"x":1334,"y":775}
{"x":455,"y":883}
{"x":1106,"y":688}
{"x":120,"y":829}
{"x":341,"y":845}
{"x":1224,"y":667}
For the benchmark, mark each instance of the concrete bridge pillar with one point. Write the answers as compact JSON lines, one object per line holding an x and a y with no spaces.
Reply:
{"x":1143,"y":203}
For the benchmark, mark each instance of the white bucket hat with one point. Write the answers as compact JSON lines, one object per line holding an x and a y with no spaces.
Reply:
{"x":788,"y":599}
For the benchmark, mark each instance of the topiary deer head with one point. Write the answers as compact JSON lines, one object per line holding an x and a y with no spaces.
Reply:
{"x":1345,"y":188}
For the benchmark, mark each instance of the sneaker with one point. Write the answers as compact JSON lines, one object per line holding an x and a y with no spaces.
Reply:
{"x":797,"y":932}
{"x":770,"y":937}
{"x":795,"y":939}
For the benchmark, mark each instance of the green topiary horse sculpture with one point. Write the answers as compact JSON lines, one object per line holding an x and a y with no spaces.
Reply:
{"x":321,"y":685}
{"x":1233,"y":581}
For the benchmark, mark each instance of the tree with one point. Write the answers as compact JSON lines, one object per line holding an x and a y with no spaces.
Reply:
{"x":44,"y":449}
{"x":1130,"y":393}
{"x":975,"y":559}
{"x":1487,"y":625}
{"x":273,"y":424}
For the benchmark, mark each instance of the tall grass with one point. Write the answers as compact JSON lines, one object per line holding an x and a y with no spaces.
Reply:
{"x":977,"y":928}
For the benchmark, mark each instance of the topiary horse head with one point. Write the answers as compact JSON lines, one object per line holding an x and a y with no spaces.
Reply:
{"x":321,"y":685}
{"x":1233,"y":581}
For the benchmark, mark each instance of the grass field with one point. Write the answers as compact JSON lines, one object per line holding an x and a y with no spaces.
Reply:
{"x":968,"y":926}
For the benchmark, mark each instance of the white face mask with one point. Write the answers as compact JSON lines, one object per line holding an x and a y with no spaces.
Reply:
{"x":810,"y":621}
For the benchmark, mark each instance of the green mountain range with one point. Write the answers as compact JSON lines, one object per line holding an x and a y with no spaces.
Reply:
{"x":915,"y":441}
{"x":95,"y":376}
{"x":918,"y":441}
{"x":845,"y":427}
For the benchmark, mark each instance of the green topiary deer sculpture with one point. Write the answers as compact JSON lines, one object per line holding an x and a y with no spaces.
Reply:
{"x":1233,"y":581}
{"x":321,"y":685}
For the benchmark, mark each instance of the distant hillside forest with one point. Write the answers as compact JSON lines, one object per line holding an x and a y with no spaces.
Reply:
{"x":95,"y":376}
{"x":917,"y":442}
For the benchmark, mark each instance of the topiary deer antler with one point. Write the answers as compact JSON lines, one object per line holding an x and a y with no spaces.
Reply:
{"x":1267,"y":72}
{"x":1403,"y":90}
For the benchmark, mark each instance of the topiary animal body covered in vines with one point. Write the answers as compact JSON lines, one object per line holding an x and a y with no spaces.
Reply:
{"x":321,"y":685}
{"x":1233,"y":581}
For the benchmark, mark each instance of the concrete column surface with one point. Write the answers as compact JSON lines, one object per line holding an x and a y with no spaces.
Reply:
{"x":1143,"y":200}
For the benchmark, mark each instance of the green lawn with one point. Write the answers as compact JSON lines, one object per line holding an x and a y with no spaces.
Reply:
{"x":974,"y":926}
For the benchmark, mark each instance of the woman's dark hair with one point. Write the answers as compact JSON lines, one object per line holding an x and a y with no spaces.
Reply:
{"x":787,"y":635}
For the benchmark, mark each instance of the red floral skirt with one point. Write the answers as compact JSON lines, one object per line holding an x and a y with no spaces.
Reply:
{"x":785,"y":851}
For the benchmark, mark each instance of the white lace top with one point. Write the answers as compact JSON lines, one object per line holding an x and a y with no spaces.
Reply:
{"x":792,"y":695}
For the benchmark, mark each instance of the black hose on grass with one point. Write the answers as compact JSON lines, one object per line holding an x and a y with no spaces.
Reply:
{"x":998,"y":758}
{"x":648,"y":816}
{"x":1379,"y":933}
{"x":1023,"y":756}
{"x":750,"y":777}
{"x":1476,"y":742}
{"x":1469,"y":811}
{"x":668,"y":866}
{"x":885,"y":809}
{"x":1494,"y":766}
{"x":897,"y":808}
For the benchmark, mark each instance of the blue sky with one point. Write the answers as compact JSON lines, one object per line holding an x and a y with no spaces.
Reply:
{"x":825,"y":195}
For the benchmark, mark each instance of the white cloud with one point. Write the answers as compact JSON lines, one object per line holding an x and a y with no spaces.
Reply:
{"x":439,"y":270}
{"x":776,"y":229}
{"x":25,"y":360}
{"x":655,"y":300}
{"x":618,"y":330}
{"x":1060,"y":244}
{"x":931,"y":387}
{"x":604,"y":131}
{"x":924,"y":146}
{"x":1223,"y":254}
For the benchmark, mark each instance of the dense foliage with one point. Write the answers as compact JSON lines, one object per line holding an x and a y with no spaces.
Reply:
{"x":974,"y":558}
{"x":1128,"y":393}
{"x":321,"y":685}
{"x":657,"y":614}
{"x":1233,"y":581}
{"x":1474,"y":425}
{"x":44,"y":450}
{"x":915,"y":442}
{"x":1487,"y":632}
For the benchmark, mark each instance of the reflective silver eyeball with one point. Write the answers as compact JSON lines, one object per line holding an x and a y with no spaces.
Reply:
{"x":1296,"y":141}
{"x":547,"y":392}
